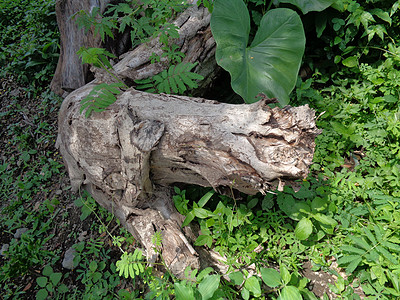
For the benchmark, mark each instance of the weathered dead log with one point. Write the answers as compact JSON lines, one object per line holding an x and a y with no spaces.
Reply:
{"x":124,"y":155}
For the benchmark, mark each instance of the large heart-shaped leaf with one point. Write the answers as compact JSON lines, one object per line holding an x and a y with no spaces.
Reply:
{"x":309,"y":5}
{"x":271,"y":63}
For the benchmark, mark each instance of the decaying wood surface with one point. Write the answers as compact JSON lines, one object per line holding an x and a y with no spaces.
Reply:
{"x":127,"y":155}
{"x":195,"y":41}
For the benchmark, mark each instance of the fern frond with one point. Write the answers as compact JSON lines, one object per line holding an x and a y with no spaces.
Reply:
{"x":100,"y":97}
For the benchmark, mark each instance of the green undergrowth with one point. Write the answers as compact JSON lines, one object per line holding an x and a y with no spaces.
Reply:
{"x":343,"y":219}
{"x":28,"y":40}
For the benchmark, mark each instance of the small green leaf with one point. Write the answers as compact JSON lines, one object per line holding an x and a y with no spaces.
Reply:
{"x":205,"y":198}
{"x":93,"y":266}
{"x":350,"y":62}
{"x":253,"y":285}
{"x":285,"y":275}
{"x":201,"y":213}
{"x":208,"y":286}
{"x":41,"y":281}
{"x":303,"y":229}
{"x":204,"y":273}
{"x":324,"y":219}
{"x":253,"y":202}
{"x":55,"y":278}
{"x":352,"y":249}
{"x":319,"y":204}
{"x":189,"y":218}
{"x":245,"y":293}
{"x":353,"y":265}
{"x":203,"y":240}
{"x":290,"y":293}
{"x":271,"y":277}
{"x":47,"y":270}
{"x":42,"y":294}
{"x":63,"y":288}
{"x":237,"y":277}
{"x":301,"y":210}
{"x":183,"y":292}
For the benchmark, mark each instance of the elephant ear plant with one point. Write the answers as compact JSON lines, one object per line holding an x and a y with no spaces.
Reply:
{"x":271,"y":62}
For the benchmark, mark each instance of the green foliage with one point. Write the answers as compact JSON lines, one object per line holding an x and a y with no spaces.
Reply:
{"x":100,"y":97}
{"x":358,"y":156}
{"x":26,"y":253}
{"x":309,"y":5}
{"x":271,"y":63}
{"x":143,"y":19}
{"x":98,"y":57}
{"x":354,"y":34}
{"x":314,"y":209}
{"x":49,"y":282}
{"x":101,"y":25}
{"x":209,"y":4}
{"x":130,"y":264}
{"x":103,"y":94}
{"x":374,"y":247}
{"x":87,"y":205}
{"x":157,"y":239}
{"x":28,"y":40}
{"x":283,"y":280}
{"x":176,"y":80}
{"x":95,"y":271}
{"x":347,"y":210}
{"x":198,"y":286}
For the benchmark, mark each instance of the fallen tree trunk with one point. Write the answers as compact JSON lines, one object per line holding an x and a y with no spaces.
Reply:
{"x":127,"y":155}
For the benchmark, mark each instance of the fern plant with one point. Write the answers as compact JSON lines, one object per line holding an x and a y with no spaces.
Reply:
{"x":130,"y":264}
{"x":177,"y":80}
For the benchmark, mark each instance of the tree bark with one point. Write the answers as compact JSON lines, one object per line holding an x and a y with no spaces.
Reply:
{"x":127,"y":155}
{"x":70,"y":73}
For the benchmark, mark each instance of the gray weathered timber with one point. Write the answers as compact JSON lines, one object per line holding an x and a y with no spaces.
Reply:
{"x":129,"y":154}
